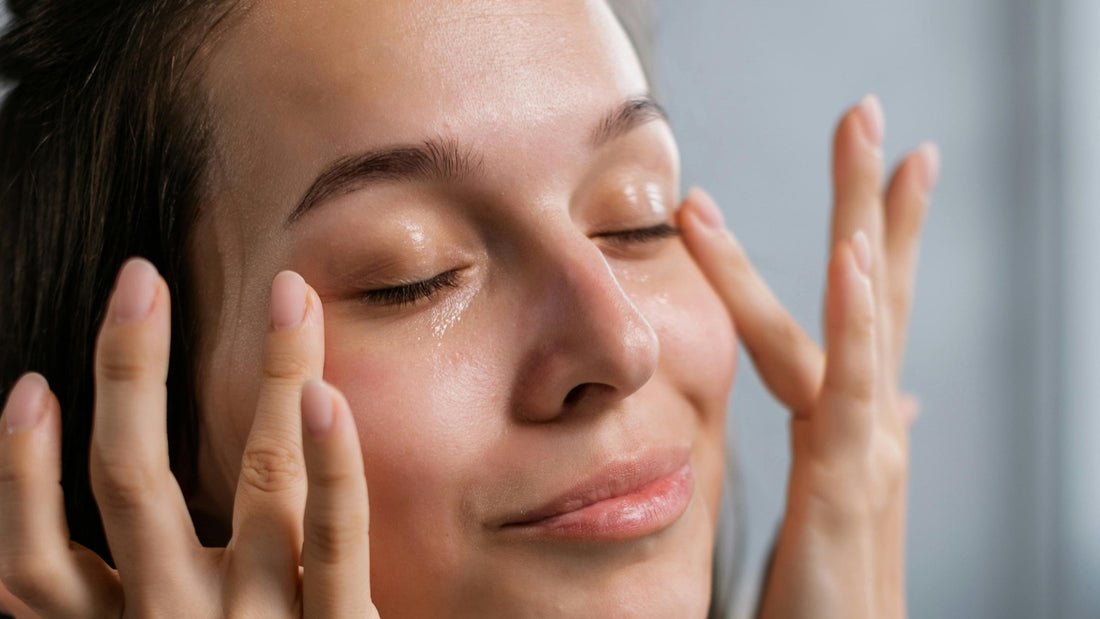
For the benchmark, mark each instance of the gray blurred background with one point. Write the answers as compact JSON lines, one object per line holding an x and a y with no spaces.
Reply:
{"x":1005,"y":343}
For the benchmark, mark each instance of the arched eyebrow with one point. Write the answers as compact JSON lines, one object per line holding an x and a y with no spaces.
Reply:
{"x":625,"y":117}
{"x":439,"y":159}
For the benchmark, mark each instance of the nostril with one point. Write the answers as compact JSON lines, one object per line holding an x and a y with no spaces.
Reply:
{"x":575,"y":394}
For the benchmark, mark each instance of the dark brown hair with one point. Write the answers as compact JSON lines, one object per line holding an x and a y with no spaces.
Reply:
{"x":101,"y":158}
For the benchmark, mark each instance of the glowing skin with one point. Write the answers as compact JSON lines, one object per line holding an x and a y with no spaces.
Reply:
{"x":556,"y":350}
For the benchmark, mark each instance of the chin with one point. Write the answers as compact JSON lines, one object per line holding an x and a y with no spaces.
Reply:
{"x":654,"y":589}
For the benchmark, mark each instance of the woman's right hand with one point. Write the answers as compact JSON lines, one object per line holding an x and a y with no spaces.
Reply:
{"x":292,"y":553}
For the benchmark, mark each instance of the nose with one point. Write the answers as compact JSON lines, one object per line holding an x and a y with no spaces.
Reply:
{"x":589,"y":346}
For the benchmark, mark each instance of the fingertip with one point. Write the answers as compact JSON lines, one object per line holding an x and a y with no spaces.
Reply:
{"x":289,"y":299}
{"x":135,"y":291}
{"x":704,"y":226}
{"x":318,"y":408}
{"x":930,"y":154}
{"x":705,"y":210}
{"x":873,"y":120}
{"x":26,"y":403}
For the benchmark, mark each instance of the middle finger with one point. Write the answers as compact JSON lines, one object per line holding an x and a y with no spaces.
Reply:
{"x":858,"y":206}
{"x":857,"y":177}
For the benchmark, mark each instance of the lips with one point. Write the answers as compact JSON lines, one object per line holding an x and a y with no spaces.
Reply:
{"x":623,"y":500}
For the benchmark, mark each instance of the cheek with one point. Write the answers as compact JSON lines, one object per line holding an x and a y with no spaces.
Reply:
{"x":408,"y":399}
{"x":698,"y":362}
{"x":698,"y":343}
{"x":420,"y":413}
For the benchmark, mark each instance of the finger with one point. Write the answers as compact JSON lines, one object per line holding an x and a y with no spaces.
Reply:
{"x":789,"y":362}
{"x":145,"y":516}
{"x":857,"y":175}
{"x":36,"y":563}
{"x":336,"y":551}
{"x":908,"y":409}
{"x":850,"y":365}
{"x":906,"y":205}
{"x":271,"y":491}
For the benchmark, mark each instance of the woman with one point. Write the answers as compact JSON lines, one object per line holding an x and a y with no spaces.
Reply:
{"x":430,"y":249}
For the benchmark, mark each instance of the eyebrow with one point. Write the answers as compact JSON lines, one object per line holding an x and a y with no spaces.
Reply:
{"x":446,"y":159}
{"x":626,"y":117}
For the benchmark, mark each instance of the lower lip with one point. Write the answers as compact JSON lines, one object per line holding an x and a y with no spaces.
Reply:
{"x":644,"y":512}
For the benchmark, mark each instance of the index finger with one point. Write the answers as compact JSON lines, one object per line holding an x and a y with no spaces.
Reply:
{"x":271,"y":490}
{"x":789,"y":362}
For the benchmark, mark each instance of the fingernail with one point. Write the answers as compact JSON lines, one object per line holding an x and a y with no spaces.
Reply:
{"x":874,"y":121}
{"x":317,"y":407}
{"x":862,"y":250}
{"x":706,"y":208}
{"x":24,"y":407}
{"x":931,"y":154}
{"x":134,"y":291}
{"x":288,"y":300}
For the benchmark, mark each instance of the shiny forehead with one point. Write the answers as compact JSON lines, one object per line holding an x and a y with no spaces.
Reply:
{"x":483,"y":57}
{"x":295,"y":85}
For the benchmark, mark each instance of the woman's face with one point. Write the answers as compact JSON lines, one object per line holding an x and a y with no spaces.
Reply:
{"x":506,"y":147}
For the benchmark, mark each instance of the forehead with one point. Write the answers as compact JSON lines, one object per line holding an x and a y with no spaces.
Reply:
{"x":294,"y":83}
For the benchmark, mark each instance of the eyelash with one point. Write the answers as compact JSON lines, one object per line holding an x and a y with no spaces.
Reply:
{"x":408,"y":294}
{"x":642,"y":235}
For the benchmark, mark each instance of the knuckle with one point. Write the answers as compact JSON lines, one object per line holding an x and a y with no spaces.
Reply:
{"x":333,"y":480}
{"x":121,"y":482}
{"x":860,"y":388}
{"x":120,"y":360}
{"x":838,"y":496}
{"x":863,"y":324}
{"x":891,"y":467}
{"x":281,"y":365}
{"x":851,"y":388}
{"x":334,"y":539}
{"x":271,"y":467}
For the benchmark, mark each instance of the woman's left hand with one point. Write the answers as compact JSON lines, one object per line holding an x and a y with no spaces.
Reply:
{"x":840,"y":551}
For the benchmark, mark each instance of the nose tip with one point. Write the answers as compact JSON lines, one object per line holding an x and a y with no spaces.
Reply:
{"x":635,"y":348}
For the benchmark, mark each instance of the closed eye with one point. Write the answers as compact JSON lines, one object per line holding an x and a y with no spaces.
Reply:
{"x":408,"y":294}
{"x":642,"y":235}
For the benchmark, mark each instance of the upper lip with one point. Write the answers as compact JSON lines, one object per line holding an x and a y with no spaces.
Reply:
{"x":617,"y":478}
